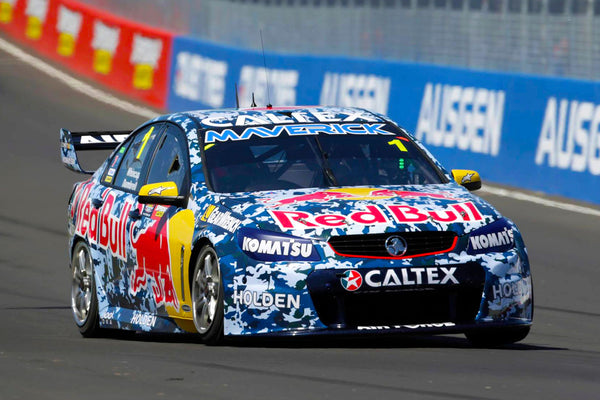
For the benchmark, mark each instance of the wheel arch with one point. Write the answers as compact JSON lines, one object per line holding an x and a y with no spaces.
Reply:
{"x":196,"y":247}
{"x":214,"y":334}
{"x":76,"y":239}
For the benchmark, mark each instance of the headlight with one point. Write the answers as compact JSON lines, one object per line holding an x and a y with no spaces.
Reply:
{"x":495,"y":237}
{"x":272,"y":246}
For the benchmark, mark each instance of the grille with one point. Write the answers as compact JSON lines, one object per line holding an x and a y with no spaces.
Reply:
{"x":398,"y":305}
{"x":417,"y":243}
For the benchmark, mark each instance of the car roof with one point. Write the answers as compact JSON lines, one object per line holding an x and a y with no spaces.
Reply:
{"x":224,"y":118}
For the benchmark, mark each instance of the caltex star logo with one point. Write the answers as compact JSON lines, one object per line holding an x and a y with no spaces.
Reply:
{"x":351,"y":280}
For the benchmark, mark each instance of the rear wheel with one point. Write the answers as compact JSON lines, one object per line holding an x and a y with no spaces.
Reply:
{"x":84,"y":303}
{"x":207,"y":296}
{"x":498,"y":336}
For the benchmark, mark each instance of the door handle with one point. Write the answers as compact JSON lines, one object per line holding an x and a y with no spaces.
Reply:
{"x":135,"y":214}
{"x":97,"y":203}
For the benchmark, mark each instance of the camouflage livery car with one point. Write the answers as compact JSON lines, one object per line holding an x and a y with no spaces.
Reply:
{"x":287,"y":221}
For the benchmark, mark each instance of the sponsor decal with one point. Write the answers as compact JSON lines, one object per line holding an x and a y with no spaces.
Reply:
{"x":95,"y":224}
{"x":417,"y":326}
{"x":266,"y":299}
{"x":68,"y":27}
{"x":495,"y":237}
{"x":152,"y":270}
{"x":570,"y":136}
{"x":145,"y":56}
{"x":110,"y":229}
{"x":199,"y":78}
{"x":295,"y":130}
{"x":413,"y":276}
{"x":509,"y":290}
{"x":6,"y":11}
{"x":271,"y":246}
{"x":106,"y":317}
{"x":467,"y":178}
{"x":160,"y":211}
{"x":374,"y":215}
{"x":133,"y":174}
{"x":357,"y":90}
{"x":466,"y":118}
{"x":36,"y":12}
{"x":148,"y":209}
{"x":143,"y":319}
{"x":104,"y":42}
{"x":91,"y":139}
{"x":68,"y":160}
{"x":223,"y":219}
{"x":355,"y":194}
{"x":351,"y":280}
{"x":155,"y":191}
{"x":129,"y":185}
{"x":282,"y":86}
{"x":302,"y":116}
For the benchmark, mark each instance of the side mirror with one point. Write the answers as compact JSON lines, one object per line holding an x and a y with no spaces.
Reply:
{"x":165,"y":193}
{"x":467,"y":178}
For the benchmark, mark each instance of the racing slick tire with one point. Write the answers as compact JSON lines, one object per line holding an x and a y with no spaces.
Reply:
{"x":498,"y":336}
{"x":207,"y":296}
{"x":84,"y":303}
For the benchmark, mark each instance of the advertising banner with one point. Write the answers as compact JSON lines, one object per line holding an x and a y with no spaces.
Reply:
{"x":129,"y":57}
{"x":529,"y":132}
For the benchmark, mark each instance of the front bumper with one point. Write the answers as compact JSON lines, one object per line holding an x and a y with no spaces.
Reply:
{"x":310,"y":298}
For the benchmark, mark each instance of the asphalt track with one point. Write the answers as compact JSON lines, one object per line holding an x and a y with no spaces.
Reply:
{"x":42,"y":355}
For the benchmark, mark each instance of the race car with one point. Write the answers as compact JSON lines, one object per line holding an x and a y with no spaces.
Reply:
{"x":287,"y":221}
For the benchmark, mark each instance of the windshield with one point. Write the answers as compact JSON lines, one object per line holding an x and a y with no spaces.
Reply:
{"x":292,"y":156}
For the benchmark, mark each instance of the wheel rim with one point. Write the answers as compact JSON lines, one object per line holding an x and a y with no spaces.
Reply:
{"x":205,"y":290}
{"x":82,"y":283}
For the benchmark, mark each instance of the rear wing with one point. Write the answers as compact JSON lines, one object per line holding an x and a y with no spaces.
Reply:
{"x":71,"y":142}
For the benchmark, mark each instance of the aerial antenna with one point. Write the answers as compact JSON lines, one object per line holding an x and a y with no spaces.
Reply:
{"x":253,"y":101}
{"x":237,"y":99}
{"x":269,"y":105}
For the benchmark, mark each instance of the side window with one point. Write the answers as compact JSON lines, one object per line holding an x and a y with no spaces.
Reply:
{"x":130,"y":171}
{"x":109,"y":173}
{"x":171,"y":161}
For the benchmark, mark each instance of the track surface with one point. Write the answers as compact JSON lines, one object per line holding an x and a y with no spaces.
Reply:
{"x":42,"y":355}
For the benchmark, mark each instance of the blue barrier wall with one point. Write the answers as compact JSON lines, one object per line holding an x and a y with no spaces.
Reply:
{"x":524,"y":131}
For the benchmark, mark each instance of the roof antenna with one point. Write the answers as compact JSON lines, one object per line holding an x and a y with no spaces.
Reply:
{"x":269,"y":105}
{"x":237,"y":99}
{"x":253,"y":101}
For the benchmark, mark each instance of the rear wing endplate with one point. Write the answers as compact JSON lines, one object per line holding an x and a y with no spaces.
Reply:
{"x":71,"y":142}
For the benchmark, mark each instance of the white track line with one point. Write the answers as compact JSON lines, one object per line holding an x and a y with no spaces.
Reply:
{"x":76,"y":84}
{"x":109,"y":99}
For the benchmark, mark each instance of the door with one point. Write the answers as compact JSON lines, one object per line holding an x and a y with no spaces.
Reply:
{"x":124,"y":175}
{"x":161,"y":235}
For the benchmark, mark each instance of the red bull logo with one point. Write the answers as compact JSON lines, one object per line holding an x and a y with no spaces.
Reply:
{"x":109,"y":227}
{"x":99,"y":224}
{"x":153,"y":267}
{"x":356,"y":194}
{"x":375,"y":215}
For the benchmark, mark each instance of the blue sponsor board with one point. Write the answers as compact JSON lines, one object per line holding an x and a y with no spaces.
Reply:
{"x":529,"y":132}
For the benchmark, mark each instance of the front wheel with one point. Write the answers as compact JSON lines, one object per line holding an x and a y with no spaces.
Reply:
{"x":498,"y":336}
{"x":83,"y":291}
{"x":207,"y":296}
